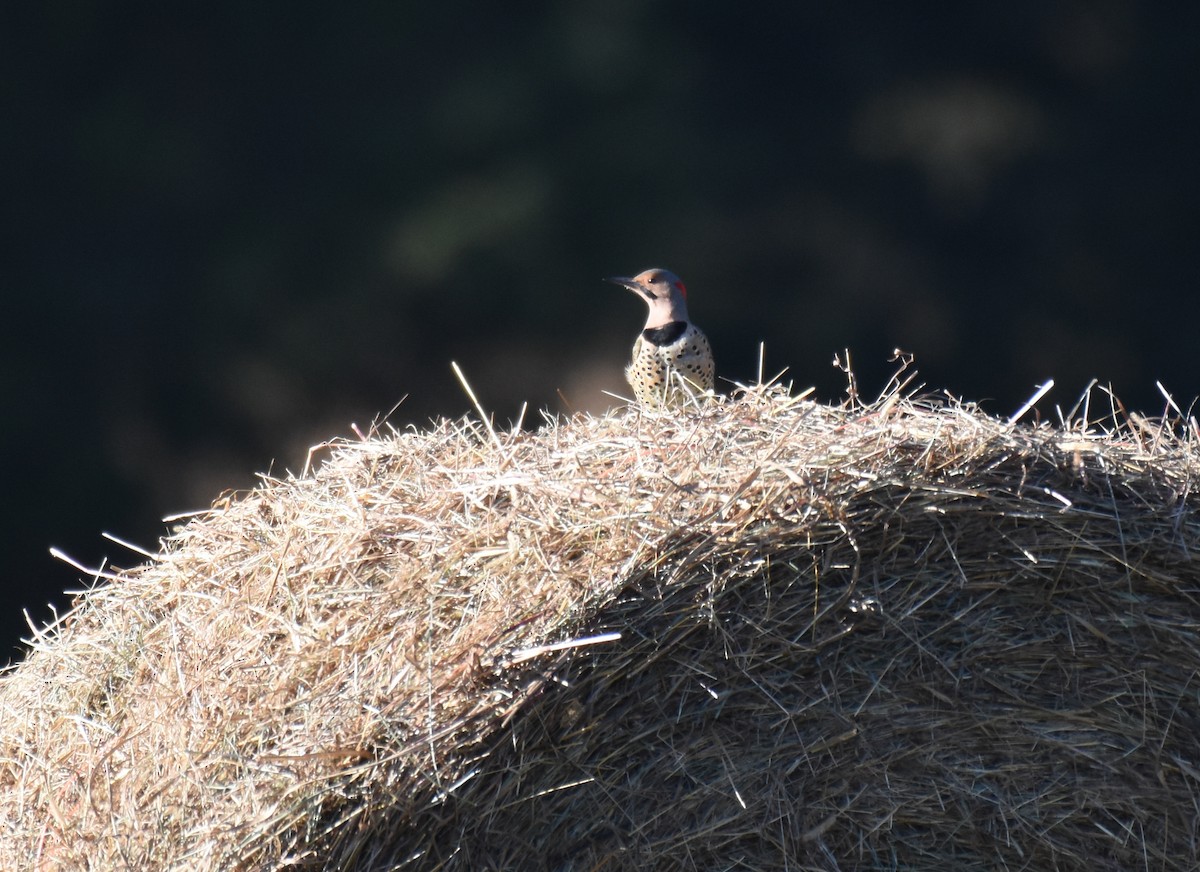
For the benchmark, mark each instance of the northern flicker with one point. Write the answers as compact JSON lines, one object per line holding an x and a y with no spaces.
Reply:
{"x":672,"y":359}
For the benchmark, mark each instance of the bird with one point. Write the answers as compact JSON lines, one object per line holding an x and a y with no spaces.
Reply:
{"x":672,"y":361}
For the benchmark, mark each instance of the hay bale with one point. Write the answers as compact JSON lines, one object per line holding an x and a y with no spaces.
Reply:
{"x":768,"y":634}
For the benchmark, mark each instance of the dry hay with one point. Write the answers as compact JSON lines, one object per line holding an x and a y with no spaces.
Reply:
{"x":904,"y":635}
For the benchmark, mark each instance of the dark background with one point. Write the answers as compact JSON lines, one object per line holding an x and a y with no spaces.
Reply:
{"x":231,"y":231}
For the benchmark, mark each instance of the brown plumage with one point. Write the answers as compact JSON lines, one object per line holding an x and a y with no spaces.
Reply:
{"x":672,"y":359}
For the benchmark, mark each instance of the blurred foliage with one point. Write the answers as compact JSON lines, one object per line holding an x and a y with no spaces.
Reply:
{"x":234,"y":229}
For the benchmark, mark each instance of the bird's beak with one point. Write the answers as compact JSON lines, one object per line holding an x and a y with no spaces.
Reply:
{"x":631,"y":285}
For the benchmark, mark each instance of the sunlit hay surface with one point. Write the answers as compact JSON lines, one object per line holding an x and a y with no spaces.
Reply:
{"x":782,"y":635}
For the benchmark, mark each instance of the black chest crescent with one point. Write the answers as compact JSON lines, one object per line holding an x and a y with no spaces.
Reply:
{"x":666,"y":334}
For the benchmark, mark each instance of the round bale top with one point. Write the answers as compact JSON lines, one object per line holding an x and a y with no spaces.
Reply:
{"x":762,"y":634}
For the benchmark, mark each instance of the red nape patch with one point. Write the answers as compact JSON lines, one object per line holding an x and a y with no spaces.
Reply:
{"x":682,"y":289}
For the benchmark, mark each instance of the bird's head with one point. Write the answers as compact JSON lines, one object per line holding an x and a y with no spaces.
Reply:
{"x":663,"y":292}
